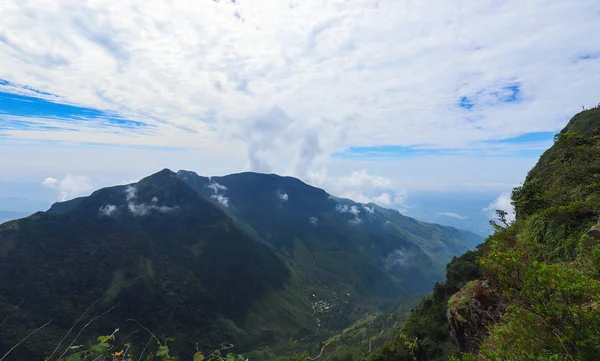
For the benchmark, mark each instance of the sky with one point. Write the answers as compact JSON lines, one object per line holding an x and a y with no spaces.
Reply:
{"x":423,"y":106}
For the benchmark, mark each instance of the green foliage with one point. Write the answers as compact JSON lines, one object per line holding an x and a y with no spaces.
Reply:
{"x":554,"y":307}
{"x":142,"y":265}
{"x":527,"y":198}
{"x":459,"y":301}
{"x":204,"y":273}
{"x":462,"y":270}
{"x":425,"y":334}
{"x":105,"y":349}
{"x":221,"y":354}
{"x":565,"y":173}
{"x":108,"y":349}
{"x":545,"y":264}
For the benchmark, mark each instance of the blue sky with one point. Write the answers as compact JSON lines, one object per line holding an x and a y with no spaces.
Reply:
{"x":33,"y":111}
{"x":463,"y":98}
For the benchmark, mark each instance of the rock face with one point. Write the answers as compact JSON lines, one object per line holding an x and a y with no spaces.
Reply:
{"x":474,"y":309}
{"x":594,"y":232}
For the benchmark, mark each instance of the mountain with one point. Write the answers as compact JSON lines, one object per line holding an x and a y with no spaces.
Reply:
{"x":531,"y":290}
{"x":251,"y":259}
{"x":303,"y":221}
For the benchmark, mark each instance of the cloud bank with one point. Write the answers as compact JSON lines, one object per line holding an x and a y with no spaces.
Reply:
{"x":304,"y":88}
{"x":300,"y":80}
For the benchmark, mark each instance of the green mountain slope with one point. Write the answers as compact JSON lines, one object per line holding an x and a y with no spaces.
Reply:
{"x":177,"y":263}
{"x":250,"y":259}
{"x":531,"y":291}
{"x":313,"y":228}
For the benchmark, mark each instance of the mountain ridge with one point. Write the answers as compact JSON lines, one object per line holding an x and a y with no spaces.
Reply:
{"x":243,"y":258}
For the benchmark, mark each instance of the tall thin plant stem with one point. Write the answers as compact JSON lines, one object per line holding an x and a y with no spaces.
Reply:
{"x":23,"y":340}
{"x":80,"y":331}
{"x":72,"y":327}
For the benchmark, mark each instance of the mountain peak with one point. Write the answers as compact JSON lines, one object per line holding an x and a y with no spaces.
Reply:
{"x":163,"y":174}
{"x":585,"y":123}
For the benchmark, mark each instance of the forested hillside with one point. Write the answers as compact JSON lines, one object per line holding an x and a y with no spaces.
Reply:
{"x":251,"y":259}
{"x":532,"y":290}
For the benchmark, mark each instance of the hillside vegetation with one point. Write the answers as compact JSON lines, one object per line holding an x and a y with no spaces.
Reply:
{"x":252,"y":259}
{"x":532,"y":290}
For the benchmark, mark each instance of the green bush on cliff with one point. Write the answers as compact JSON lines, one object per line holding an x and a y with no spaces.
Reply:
{"x":545,"y":264}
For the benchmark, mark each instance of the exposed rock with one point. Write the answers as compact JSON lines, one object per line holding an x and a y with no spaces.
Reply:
{"x":471,"y":312}
{"x":594,"y":232}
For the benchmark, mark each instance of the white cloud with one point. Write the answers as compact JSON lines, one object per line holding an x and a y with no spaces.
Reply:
{"x":107,"y":210}
{"x":342,"y":208}
{"x":216,"y":187}
{"x":315,"y":70}
{"x":70,"y":186}
{"x":283,"y":196}
{"x":127,"y":182}
{"x":280,"y":88}
{"x":398,"y":258}
{"x":384,"y":199}
{"x":138,"y":209}
{"x":50,"y":182}
{"x":142,"y":209}
{"x":361,"y":179}
{"x":354,"y":210}
{"x":130,"y":193}
{"x":314,"y":221}
{"x":453,"y":215}
{"x":224,"y":201}
{"x":503,"y":202}
{"x":217,"y":190}
{"x":362,"y":187}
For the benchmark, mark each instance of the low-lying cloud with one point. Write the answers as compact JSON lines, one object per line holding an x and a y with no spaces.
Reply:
{"x":453,"y":215}
{"x":107,"y":210}
{"x":130,"y":193}
{"x":398,"y":258}
{"x":362,"y":187}
{"x":283,"y":196}
{"x":217,"y":195}
{"x":141,"y":209}
{"x":70,"y":186}
{"x":354,"y":210}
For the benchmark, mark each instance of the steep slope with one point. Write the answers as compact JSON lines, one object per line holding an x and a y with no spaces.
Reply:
{"x":531,"y":291}
{"x":156,"y":250}
{"x":249,"y":258}
{"x":307,"y":224}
